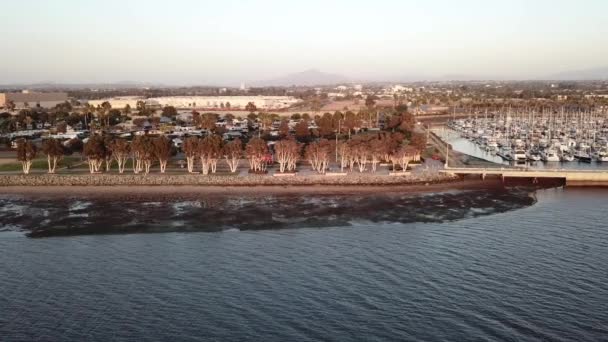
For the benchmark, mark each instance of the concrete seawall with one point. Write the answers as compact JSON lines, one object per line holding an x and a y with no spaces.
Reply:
{"x":570,"y":177}
{"x":214,"y":180}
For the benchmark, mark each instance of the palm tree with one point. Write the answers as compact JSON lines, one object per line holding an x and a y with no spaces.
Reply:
{"x":84,"y":111}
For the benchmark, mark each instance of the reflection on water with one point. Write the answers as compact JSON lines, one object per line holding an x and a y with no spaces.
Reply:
{"x":463,"y":145}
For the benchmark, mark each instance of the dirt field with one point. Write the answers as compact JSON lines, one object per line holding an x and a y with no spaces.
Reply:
{"x":352,"y":105}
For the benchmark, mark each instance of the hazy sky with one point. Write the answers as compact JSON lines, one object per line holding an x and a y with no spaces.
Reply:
{"x":229,"y":41}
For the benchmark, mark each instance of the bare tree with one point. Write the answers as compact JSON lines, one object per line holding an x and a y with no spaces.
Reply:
{"x":402,"y":157}
{"x":95,"y":151}
{"x":256,"y":151}
{"x":359,"y":153}
{"x":162,"y":151}
{"x":142,"y":150}
{"x":287,"y":154}
{"x":418,"y":142}
{"x":108,"y":158}
{"x":392,"y":142}
{"x":233,"y":152}
{"x":120,"y":152}
{"x":191,"y":149}
{"x":54,"y":151}
{"x":317,"y":154}
{"x":344,"y":153}
{"x":210,"y":150}
{"x":26,"y":152}
{"x":376,"y":148}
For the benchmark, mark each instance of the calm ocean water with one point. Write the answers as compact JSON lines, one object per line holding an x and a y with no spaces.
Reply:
{"x":537,"y":273}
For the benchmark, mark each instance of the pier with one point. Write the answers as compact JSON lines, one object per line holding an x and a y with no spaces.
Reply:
{"x":570,"y":177}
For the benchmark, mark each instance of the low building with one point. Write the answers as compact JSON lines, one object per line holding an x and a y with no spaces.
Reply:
{"x":202,"y":102}
{"x":26,"y":99}
{"x":119,"y":102}
{"x":400,"y":89}
{"x":335,"y":95}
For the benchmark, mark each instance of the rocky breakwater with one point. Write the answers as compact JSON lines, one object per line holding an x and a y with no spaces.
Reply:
{"x":215,"y":180}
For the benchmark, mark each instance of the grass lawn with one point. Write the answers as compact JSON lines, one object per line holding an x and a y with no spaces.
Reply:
{"x":40,"y":164}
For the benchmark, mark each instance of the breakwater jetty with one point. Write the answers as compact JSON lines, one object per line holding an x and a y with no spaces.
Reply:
{"x":570,"y":177}
{"x":215,"y":180}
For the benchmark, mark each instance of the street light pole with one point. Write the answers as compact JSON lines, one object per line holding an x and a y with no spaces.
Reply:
{"x":447,"y":154}
{"x":338,"y":132}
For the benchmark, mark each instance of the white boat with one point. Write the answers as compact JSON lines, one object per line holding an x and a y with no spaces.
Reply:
{"x":550,"y":155}
{"x":492,"y":144}
{"x":583,"y":156}
{"x":519,"y":154}
{"x":602,"y":155}
{"x":533,"y":156}
{"x":506,"y":153}
{"x":567,"y":157}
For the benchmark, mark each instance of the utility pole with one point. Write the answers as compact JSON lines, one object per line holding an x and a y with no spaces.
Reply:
{"x":447,"y":154}
{"x":338,"y":132}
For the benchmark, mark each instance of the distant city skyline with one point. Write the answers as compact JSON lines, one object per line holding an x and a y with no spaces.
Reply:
{"x":187,"y":42}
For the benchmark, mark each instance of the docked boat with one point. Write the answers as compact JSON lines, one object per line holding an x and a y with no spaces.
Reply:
{"x":492,"y":144}
{"x":567,"y":157}
{"x":583,"y":156}
{"x":602,"y":155}
{"x":533,"y":156}
{"x":550,"y":155}
{"x":506,"y":153}
{"x":519,"y":154}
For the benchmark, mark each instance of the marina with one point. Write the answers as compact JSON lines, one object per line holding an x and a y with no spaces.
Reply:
{"x":532,"y":139}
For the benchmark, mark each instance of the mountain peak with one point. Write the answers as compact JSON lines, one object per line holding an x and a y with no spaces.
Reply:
{"x":586,"y":74}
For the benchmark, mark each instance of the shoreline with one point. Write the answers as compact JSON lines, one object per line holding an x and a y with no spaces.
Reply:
{"x":236,"y":180}
{"x":81,"y":210}
{"x":261,"y":189}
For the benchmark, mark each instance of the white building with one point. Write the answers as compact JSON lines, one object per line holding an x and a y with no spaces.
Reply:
{"x":397,"y":88}
{"x":119,"y":102}
{"x":233,"y":102}
{"x":202,"y":102}
{"x":335,"y":95}
{"x":29,"y":99}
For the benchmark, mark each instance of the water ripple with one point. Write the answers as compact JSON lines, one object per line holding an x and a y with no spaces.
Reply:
{"x":536,"y":273}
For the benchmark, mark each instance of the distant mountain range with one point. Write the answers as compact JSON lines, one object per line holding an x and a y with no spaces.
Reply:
{"x":51,"y":85}
{"x":315,"y":77}
{"x":312,"y":77}
{"x":586,"y":74}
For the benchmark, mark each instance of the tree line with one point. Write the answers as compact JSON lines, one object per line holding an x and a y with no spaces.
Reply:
{"x":362,"y":152}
